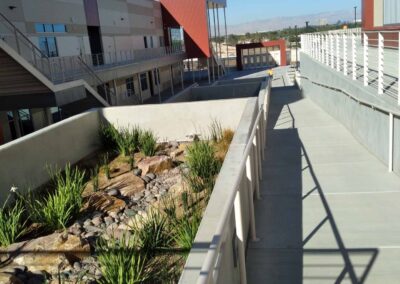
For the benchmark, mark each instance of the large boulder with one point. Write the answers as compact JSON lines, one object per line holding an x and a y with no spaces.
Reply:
{"x":49,"y":253}
{"x":128,"y":184}
{"x":101,"y":201}
{"x":156,"y":164}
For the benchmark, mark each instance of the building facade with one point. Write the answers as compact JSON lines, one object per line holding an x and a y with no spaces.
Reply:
{"x":381,"y":15}
{"x":62,"y":57}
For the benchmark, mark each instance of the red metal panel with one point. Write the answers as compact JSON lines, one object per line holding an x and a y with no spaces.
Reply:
{"x":191,"y":15}
{"x":281,"y":43}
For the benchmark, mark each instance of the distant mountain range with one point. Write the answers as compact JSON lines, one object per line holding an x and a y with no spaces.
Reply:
{"x":279,"y":23}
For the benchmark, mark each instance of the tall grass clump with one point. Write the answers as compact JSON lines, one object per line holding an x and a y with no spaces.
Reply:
{"x":148,"y":143}
{"x":60,"y":206}
{"x":151,"y":232}
{"x":12,"y":222}
{"x":128,"y":140}
{"x":202,"y":166}
{"x":109,"y":136}
{"x":121,"y":262}
{"x":215,"y":130}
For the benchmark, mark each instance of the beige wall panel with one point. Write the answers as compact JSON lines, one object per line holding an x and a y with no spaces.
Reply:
{"x":143,"y":3}
{"x":69,"y":45}
{"x":67,"y":12}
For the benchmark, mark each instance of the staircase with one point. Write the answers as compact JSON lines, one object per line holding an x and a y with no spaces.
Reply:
{"x":27,"y":79}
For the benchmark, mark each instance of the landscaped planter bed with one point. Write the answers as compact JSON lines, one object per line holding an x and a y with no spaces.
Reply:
{"x":137,"y":220}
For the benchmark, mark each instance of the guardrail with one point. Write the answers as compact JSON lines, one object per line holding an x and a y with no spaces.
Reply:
{"x":372,"y":57}
{"x":244,"y":184}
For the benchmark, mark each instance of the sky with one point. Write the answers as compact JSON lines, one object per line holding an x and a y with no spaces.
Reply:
{"x":241,"y":11}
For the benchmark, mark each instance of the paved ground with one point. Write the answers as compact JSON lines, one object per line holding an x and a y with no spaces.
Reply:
{"x":329,"y":211}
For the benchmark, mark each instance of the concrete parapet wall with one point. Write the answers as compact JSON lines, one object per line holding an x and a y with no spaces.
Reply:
{"x":350,"y":103}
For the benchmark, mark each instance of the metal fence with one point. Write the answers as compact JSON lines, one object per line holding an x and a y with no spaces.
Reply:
{"x":371,"y":57}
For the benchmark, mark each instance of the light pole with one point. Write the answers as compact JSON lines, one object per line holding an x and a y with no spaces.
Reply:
{"x":355,"y":16}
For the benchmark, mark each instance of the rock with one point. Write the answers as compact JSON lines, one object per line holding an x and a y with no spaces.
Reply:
{"x":150,"y":198}
{"x":77,"y":266}
{"x":128,"y":184}
{"x":89,"y":235}
{"x":93,"y":229}
{"x":176,"y":153}
{"x":97,"y":221}
{"x":75,"y":229}
{"x":155,"y":165}
{"x":130,"y":212}
{"x":137,"y":172}
{"x":146,"y":179}
{"x":108,"y":220}
{"x":113,"y":215}
{"x":174,"y":144}
{"x":105,"y":203}
{"x":151,"y":176}
{"x":88,"y":222}
{"x":113,"y":192}
{"x":9,"y":279}
{"x":48,"y":253}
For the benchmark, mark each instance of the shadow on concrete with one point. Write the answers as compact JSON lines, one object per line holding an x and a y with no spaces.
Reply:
{"x":283,"y":253}
{"x":349,"y":270}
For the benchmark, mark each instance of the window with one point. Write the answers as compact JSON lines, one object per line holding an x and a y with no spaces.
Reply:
{"x":50,"y":28}
{"x":151,"y":42}
{"x":145,"y":42}
{"x":56,"y":114}
{"x":391,"y":12}
{"x":176,"y":37}
{"x":157,"y":76}
{"x":143,"y":81}
{"x":161,"y":39}
{"x":130,"y":87}
{"x":48,"y":46}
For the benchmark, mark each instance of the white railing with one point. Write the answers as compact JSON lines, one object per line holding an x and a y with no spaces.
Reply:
{"x":245,"y":173}
{"x":67,"y":68}
{"x":371,"y":57}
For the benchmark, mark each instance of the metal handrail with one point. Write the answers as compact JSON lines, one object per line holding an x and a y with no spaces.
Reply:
{"x":212,"y":254}
{"x":20,"y":33}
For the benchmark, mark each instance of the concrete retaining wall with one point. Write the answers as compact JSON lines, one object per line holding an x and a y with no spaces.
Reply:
{"x":218,"y":92}
{"x":24,"y":161}
{"x":370,"y":126}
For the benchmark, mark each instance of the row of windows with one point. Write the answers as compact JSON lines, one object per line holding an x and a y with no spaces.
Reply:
{"x":146,"y":43}
{"x":50,"y":28}
{"x":130,"y":85}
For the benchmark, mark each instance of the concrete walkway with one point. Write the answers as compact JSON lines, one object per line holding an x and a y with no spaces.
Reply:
{"x":330,"y":211}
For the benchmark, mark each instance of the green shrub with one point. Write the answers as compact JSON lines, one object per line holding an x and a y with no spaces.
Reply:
{"x":120,"y":262}
{"x":185,"y":230}
{"x":12,"y":222}
{"x":106,"y":166}
{"x":152,"y":232}
{"x":148,"y":143}
{"x":123,"y":141}
{"x":202,"y":165}
{"x":109,"y":136}
{"x":58,"y":208}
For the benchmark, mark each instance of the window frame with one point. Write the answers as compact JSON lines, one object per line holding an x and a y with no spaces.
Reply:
{"x":144,"y":85}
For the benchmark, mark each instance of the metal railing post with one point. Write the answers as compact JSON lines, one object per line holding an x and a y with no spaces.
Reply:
{"x":398,"y":82}
{"x":345,"y":55}
{"x":391,"y":136}
{"x":381,"y":45}
{"x":366,"y":71}
{"x":331,"y":51}
{"x":354,"y":56}
{"x":240,"y":235}
{"x":337,"y":53}
{"x":250,"y":183}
